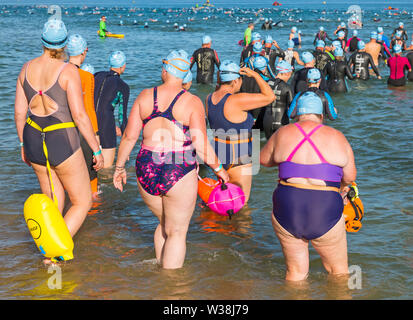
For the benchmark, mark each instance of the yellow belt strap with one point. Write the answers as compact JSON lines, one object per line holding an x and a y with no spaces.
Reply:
{"x":53,"y":127}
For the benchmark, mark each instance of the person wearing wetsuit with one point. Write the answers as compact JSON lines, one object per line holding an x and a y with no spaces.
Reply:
{"x":384,"y":51}
{"x":299,"y":82}
{"x":360,"y":61}
{"x":400,"y":29}
{"x":266,"y":25}
{"x":247,"y":52}
{"x":314,"y":78}
{"x":342,"y":27}
{"x":322,"y":58}
{"x":398,"y":65}
{"x":321,"y":35}
{"x":205,"y":59}
{"x":398,"y":40}
{"x":338,"y":71}
{"x":341,"y":38}
{"x":259,"y":52}
{"x":111,"y":95}
{"x":271,"y":54}
{"x":380,"y":31}
{"x":351,"y":45}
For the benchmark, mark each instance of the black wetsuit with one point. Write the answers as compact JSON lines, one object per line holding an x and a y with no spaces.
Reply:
{"x":342,"y":41}
{"x":345,"y":30}
{"x":404,"y":33}
{"x":111,"y":94}
{"x":266,"y":26}
{"x":272,"y":55}
{"x":245,"y":54}
{"x":249,"y":85}
{"x":275,"y":114}
{"x":321,"y":35}
{"x":299,"y":81}
{"x":353,"y":44}
{"x":400,"y":42}
{"x":361,"y":62}
{"x":205,"y":59}
{"x":409,"y":56}
{"x":337,"y":73}
{"x":321,"y":59}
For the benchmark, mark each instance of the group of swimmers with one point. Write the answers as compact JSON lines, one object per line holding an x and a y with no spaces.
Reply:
{"x":316,"y":162}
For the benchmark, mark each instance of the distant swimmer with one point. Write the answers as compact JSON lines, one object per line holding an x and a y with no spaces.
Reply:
{"x":402,"y":32}
{"x":352,"y":43}
{"x":398,"y":66}
{"x":374,"y":48}
{"x":266,"y":25}
{"x":360,"y":62}
{"x":295,"y":36}
{"x":111,"y":95}
{"x":291,"y":56}
{"x":248,"y":34}
{"x":102,"y":28}
{"x":342,"y":27}
{"x":205,"y":59}
{"x":321,"y":35}
{"x":299,"y":81}
{"x":339,"y":72}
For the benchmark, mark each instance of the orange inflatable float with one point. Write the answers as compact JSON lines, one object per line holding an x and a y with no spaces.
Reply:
{"x":205,"y":187}
{"x":354,"y":210}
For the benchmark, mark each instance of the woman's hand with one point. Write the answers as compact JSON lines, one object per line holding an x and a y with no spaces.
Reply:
{"x":223,"y":175}
{"x":119,"y":178}
{"x":98,"y":161}
{"x":248,"y":72}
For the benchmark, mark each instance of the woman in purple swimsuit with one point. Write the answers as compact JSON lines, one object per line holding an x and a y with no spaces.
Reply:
{"x":316,"y":164}
{"x":173,"y":125}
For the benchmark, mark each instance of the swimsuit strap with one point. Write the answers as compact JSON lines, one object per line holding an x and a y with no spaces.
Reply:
{"x":307,"y":138}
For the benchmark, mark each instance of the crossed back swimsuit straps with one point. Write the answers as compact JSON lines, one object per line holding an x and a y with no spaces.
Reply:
{"x":308,"y":211}
{"x":56,"y":130}
{"x":157,"y":169}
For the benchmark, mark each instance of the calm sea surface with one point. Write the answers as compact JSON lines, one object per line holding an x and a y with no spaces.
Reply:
{"x":226,"y":259}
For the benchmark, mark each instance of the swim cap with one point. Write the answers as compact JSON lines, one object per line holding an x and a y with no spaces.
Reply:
{"x":355,"y":33}
{"x":88,"y":67}
{"x":313,"y":75}
{"x":373,"y":35}
{"x":299,"y":31}
{"x":309,"y":103}
{"x":379,"y":37}
{"x":339,"y":52}
{"x":307,"y":57}
{"x":284,"y":67}
{"x":341,"y":34}
{"x":380,"y":29}
{"x":290,"y":44}
{"x":255,"y":36}
{"x":336,"y":44}
{"x":177,"y":63}
{"x":117,"y":59}
{"x":76,"y":45}
{"x":54,"y":34}
{"x":321,"y":28}
{"x":229,"y":71}
{"x":268,"y":39}
{"x":320,"y":44}
{"x":257,"y":47}
{"x":361,"y":45}
{"x":206,"y":39}
{"x":188,"y":77}
{"x":260,"y":63}
{"x":397,"y":48}
{"x":343,"y":24}
{"x":401,"y":24}
{"x":294,"y":29}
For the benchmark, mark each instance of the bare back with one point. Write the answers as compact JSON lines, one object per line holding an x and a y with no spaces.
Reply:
{"x":374,"y":49}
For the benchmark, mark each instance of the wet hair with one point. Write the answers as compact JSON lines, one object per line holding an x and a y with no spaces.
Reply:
{"x":56,"y":53}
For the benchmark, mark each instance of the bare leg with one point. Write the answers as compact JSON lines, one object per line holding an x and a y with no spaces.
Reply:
{"x":295,"y":252}
{"x":179,"y":205}
{"x":332,"y":248}
{"x":242,"y":177}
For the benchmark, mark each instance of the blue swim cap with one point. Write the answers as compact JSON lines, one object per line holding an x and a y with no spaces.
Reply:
{"x":373,"y":35}
{"x":88,"y":67}
{"x":380,"y":29}
{"x":343,"y":24}
{"x":336,"y":44}
{"x":307,"y":57}
{"x":294,"y":29}
{"x":206,"y":39}
{"x":401,"y":24}
{"x":355,"y":33}
{"x":361,"y":45}
{"x":321,"y":28}
{"x":397,"y":48}
{"x":341,"y":34}
{"x":309,"y":103}
{"x":54,"y":35}
{"x":188,"y":77}
{"x":260,"y":63}
{"x":228,"y":71}
{"x":117,"y":59}
{"x":313,"y":75}
{"x":320,"y":44}
{"x":257,"y":47}
{"x":284,"y":67}
{"x":339,"y":52}
{"x":379,"y":37}
{"x":255,"y":36}
{"x":268,"y":39}
{"x":290,"y":44}
{"x":177,"y":63}
{"x":76,"y":45}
